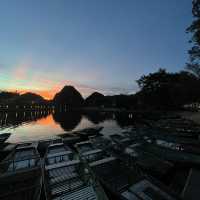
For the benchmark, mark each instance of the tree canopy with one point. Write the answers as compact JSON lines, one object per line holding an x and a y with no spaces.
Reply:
{"x":164,"y":89}
{"x":194,"y":29}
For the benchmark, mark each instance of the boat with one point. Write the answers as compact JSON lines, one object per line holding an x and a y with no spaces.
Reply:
{"x":180,"y":128}
{"x":6,"y":150}
{"x":188,"y":148}
{"x":173,"y":138}
{"x":21,"y":174}
{"x":124,"y":183}
{"x":96,"y":129}
{"x":66,"y":177}
{"x":43,"y":144}
{"x":119,"y":180}
{"x":4,"y":137}
{"x":122,"y":141}
{"x":101,"y":142}
{"x":151,"y":164}
{"x":88,"y":152}
{"x":87,"y":132}
{"x":70,"y":138}
{"x":191,"y":189}
{"x":84,"y":146}
{"x":176,"y":156}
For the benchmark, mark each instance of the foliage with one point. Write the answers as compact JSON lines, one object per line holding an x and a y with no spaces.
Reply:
{"x":194,"y":29}
{"x":6,"y":96}
{"x":164,"y":89}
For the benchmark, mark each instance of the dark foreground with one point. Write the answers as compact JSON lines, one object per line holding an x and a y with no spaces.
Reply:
{"x":157,"y":158}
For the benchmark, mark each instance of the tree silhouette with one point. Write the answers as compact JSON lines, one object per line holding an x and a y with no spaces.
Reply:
{"x":194,"y":65}
{"x":164,"y":89}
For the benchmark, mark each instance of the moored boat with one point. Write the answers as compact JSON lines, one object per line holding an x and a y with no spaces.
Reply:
{"x":87,"y":132}
{"x":171,"y":155}
{"x":21,"y":174}
{"x":148,"y":162}
{"x":66,"y":177}
{"x":191,"y":189}
{"x":4,"y":137}
{"x":89,"y":152}
{"x":125,"y":183}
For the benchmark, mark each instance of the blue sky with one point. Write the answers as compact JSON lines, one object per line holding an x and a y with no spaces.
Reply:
{"x":102,"y":45}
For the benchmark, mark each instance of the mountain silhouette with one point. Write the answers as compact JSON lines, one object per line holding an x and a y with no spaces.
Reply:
{"x":69,"y":96}
{"x":95,"y":99}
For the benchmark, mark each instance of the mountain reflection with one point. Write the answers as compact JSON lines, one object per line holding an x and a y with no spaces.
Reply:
{"x":98,"y":117}
{"x":68,"y":120}
{"x":124,"y":119}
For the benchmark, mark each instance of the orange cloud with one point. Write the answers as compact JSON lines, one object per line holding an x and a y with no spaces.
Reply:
{"x":50,"y":93}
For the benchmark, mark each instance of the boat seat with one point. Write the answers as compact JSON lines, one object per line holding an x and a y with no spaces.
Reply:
{"x":57,"y":159}
{"x":16,"y":165}
{"x":66,"y":187}
{"x":63,"y":178}
{"x":145,"y":190}
{"x":65,"y":169}
{"x":59,"y":154}
{"x":129,"y":195}
{"x":85,"y":193}
{"x":95,"y":151}
{"x":102,"y":161}
{"x":62,"y":164}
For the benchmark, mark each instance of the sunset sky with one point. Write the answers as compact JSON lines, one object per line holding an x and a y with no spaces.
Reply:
{"x":95,"y":45}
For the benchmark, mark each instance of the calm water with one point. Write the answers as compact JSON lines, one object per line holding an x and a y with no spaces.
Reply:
{"x":26,"y":126}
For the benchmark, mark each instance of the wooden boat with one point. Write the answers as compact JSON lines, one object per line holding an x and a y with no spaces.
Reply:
{"x":70,"y":138}
{"x":89,"y":153}
{"x":125,"y":183}
{"x":172,"y":155}
{"x":4,"y":137}
{"x":84,"y":146}
{"x":21,"y":174}
{"x":148,"y":162}
{"x":101,"y":142}
{"x":43,"y":144}
{"x":121,"y":140}
{"x":66,"y":177}
{"x":172,"y":138}
{"x":188,"y":145}
{"x":96,"y":129}
{"x":188,"y":148}
{"x":58,"y":152}
{"x":117,"y":178}
{"x":191,"y":189}
{"x":87,"y":132}
{"x":6,"y":150}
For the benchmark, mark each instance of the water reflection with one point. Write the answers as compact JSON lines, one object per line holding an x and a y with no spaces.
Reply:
{"x":67,"y":120}
{"x":41,"y":124}
{"x":13,"y":119}
{"x":124,"y":119}
{"x":97,"y":117}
